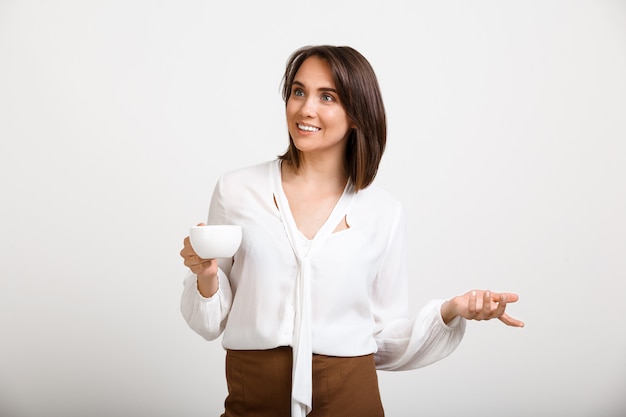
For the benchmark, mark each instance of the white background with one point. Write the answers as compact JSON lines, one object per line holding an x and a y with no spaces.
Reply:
{"x":507,"y":145}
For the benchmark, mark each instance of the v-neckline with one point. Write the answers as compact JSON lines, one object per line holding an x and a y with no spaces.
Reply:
{"x":304,"y":253}
{"x":331,"y":221}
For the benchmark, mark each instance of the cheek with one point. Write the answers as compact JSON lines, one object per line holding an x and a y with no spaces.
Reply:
{"x":341,"y":120}
{"x":290,"y":110}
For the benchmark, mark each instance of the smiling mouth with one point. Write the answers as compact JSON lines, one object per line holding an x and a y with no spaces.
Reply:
{"x":307,"y":128}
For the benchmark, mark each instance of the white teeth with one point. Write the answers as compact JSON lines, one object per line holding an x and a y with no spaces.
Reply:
{"x":308,"y":128}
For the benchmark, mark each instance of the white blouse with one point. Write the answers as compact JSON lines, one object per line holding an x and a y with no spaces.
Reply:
{"x":341,"y":293}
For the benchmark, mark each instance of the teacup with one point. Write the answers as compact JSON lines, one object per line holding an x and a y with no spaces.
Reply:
{"x":215,"y":241}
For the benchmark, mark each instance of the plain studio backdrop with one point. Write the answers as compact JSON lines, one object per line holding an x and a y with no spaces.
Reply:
{"x":507,"y":146}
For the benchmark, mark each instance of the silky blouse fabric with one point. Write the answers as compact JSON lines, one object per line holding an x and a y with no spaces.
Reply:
{"x":354,"y":288}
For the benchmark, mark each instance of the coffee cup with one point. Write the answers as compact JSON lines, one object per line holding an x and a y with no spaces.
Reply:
{"x":215,"y":241}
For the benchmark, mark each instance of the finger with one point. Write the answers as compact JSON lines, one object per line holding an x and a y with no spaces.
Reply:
{"x":486,"y":308}
{"x":197,"y":268}
{"x":187,"y":248}
{"x":499,"y":311}
{"x":201,"y":224}
{"x":510,"y":321}
{"x":200,"y":265}
{"x":195,"y":261}
{"x":471,"y":305}
{"x":511,"y":297}
{"x":190,"y":261}
{"x":188,"y":252}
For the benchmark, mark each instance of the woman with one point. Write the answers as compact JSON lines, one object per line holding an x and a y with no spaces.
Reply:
{"x":314,"y":301}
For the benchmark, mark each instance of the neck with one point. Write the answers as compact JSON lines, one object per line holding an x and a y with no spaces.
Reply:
{"x":317,"y":171}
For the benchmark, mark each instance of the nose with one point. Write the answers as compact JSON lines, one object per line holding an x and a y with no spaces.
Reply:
{"x":308,"y":109}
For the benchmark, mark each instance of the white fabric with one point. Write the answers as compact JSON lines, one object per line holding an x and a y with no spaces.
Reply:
{"x":305,"y":250}
{"x":341,"y":294}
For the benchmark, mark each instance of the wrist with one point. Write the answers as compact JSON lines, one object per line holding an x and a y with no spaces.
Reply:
{"x":207,"y":286}
{"x":448,"y":310}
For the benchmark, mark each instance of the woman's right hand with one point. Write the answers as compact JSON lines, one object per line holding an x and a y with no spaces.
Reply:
{"x":205,"y":269}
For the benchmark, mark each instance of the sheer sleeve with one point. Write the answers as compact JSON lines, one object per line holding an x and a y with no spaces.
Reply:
{"x":207,"y":316}
{"x":403,"y":342}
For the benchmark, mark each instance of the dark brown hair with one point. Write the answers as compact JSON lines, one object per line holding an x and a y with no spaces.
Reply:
{"x":358,"y":91}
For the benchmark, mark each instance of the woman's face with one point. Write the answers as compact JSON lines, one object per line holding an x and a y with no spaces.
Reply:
{"x":316,"y":119}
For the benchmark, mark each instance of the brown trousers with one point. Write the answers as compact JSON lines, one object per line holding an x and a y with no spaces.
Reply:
{"x":259,"y":385}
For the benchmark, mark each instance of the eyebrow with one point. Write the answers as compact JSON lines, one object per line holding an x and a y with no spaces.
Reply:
{"x":295,"y":82}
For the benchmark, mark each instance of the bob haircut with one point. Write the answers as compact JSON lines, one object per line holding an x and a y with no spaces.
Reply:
{"x":359,"y":93}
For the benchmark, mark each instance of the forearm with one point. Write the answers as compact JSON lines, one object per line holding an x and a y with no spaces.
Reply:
{"x":410,"y":344}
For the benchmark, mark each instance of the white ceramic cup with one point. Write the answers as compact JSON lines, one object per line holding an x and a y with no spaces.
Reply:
{"x":215,"y":241}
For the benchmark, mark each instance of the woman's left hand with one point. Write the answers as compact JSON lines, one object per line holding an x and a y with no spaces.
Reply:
{"x":481,"y":305}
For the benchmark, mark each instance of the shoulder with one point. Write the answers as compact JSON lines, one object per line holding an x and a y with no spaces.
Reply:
{"x":243,"y":188}
{"x":248,"y":174}
{"x":377,"y":197}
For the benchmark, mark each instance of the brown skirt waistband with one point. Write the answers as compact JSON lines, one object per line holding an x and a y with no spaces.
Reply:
{"x":259,"y":385}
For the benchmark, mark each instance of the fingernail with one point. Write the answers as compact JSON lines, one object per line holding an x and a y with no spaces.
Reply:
{"x":473,"y":293}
